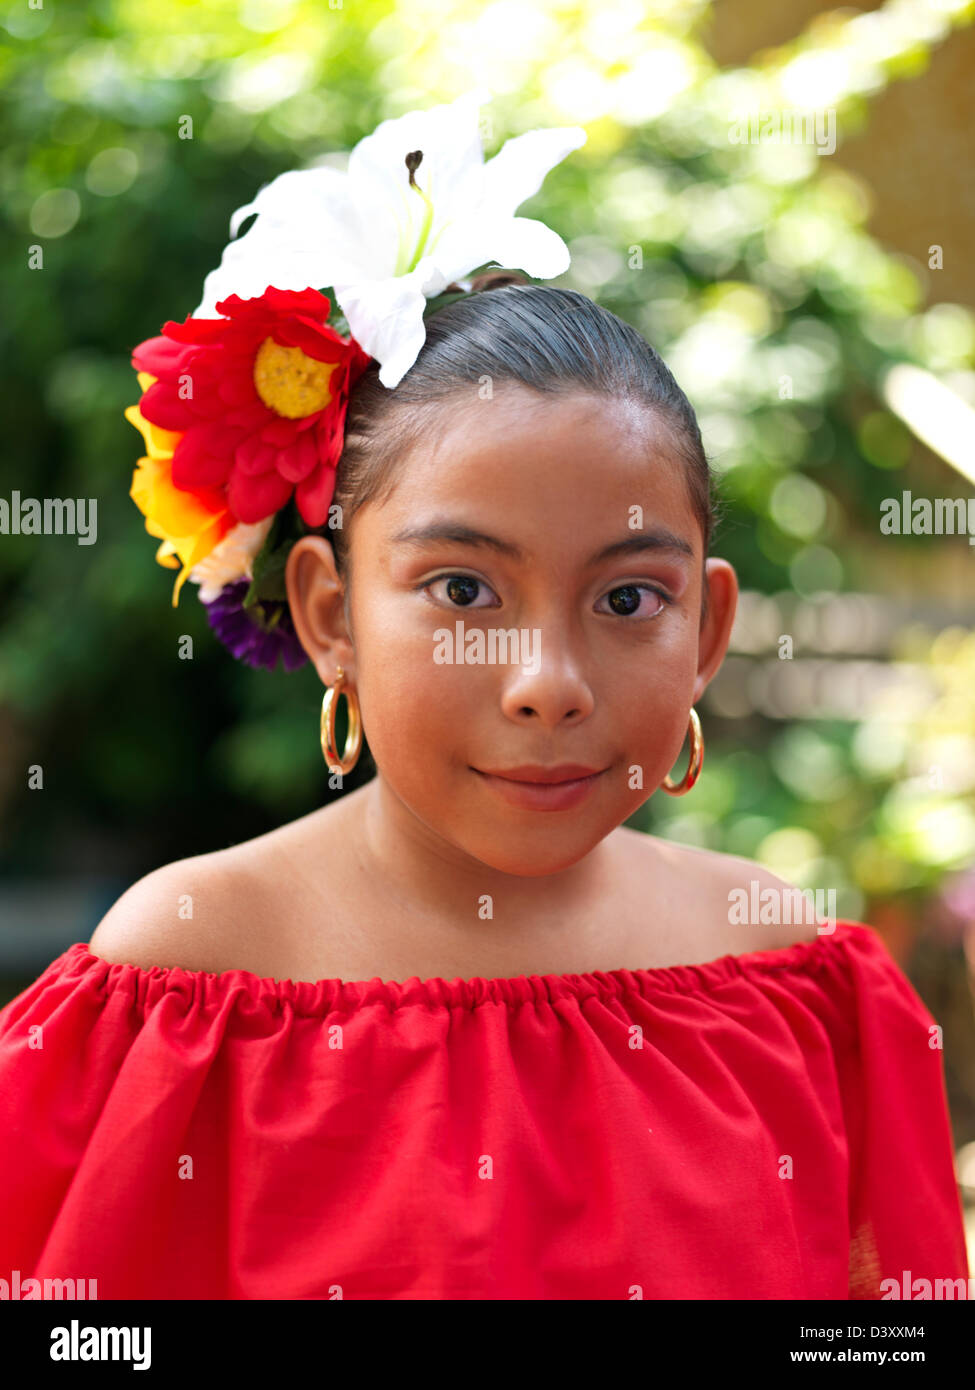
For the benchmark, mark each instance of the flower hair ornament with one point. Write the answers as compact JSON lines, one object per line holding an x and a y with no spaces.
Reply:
{"x":243,"y":404}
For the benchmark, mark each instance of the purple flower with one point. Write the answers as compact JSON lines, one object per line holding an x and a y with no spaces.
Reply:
{"x":257,"y":635}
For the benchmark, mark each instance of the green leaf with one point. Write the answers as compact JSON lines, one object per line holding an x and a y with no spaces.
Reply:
{"x":270,"y":583}
{"x":336,"y":319}
{"x":270,"y":561}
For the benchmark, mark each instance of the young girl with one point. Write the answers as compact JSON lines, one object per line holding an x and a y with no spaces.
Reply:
{"x":460,"y":1034}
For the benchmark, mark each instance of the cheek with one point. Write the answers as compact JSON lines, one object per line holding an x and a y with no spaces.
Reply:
{"x":651,"y":707}
{"x":671,"y":742}
{"x":416,"y":713}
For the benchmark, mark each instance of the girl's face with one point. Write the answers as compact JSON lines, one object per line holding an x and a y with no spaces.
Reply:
{"x":562,"y":527}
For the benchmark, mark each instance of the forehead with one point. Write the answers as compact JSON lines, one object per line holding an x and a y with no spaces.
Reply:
{"x":527,"y":462}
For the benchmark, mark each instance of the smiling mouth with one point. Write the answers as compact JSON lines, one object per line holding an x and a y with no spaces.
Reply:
{"x":532,"y":794}
{"x":543,"y":778}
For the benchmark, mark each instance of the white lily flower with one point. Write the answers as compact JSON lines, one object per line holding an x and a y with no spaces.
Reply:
{"x":387,"y":234}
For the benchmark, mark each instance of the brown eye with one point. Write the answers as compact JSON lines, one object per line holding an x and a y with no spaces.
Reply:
{"x":626,"y":599}
{"x":461,"y":590}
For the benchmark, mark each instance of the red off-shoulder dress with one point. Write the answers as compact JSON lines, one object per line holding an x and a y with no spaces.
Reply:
{"x":765,"y":1126}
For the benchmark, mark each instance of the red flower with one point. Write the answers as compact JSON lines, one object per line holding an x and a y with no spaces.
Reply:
{"x":260,"y":396}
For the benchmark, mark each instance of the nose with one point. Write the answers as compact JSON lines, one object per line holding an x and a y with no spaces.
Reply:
{"x":555,"y":688}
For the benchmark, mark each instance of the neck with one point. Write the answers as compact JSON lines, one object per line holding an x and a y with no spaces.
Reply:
{"x":440,"y":884}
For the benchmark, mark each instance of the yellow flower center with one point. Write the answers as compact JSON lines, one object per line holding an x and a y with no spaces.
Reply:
{"x":290,"y":382}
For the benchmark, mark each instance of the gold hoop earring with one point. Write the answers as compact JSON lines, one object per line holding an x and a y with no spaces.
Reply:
{"x":349,"y":757}
{"x":694,"y":764}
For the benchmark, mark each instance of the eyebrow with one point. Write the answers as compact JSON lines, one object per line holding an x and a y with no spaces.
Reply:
{"x":656,"y":538}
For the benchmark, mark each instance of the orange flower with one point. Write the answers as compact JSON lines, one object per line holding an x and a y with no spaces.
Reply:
{"x":189,"y":523}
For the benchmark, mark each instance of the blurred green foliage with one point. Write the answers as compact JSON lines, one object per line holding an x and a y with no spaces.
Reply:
{"x":748,"y":266}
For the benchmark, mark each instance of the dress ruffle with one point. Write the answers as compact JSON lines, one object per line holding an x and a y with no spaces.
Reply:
{"x":314,"y":999}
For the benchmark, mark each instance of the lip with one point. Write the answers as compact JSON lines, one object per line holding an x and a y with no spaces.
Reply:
{"x":535,"y":773}
{"x":547,"y":789}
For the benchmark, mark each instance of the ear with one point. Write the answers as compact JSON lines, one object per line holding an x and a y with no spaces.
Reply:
{"x":316,"y":598}
{"x":716,"y":628}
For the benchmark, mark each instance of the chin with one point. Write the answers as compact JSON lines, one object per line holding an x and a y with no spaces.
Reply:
{"x":528,"y":856}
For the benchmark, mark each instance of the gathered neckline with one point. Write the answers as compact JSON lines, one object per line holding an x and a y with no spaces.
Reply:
{"x":314,"y":997}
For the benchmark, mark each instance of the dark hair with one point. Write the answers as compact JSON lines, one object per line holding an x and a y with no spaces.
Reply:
{"x":554,"y":341}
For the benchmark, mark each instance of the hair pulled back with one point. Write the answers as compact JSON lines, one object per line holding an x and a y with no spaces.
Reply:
{"x":554,"y":341}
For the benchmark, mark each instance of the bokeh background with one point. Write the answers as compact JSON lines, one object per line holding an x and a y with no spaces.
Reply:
{"x":816,"y":307}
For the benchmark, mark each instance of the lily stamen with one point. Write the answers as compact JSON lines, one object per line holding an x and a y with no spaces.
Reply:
{"x":413,"y":160}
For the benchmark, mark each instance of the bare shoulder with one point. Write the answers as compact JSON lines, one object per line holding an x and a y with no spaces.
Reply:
{"x":228,"y":909}
{"x":753,"y":908}
{"x":180,"y":914}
